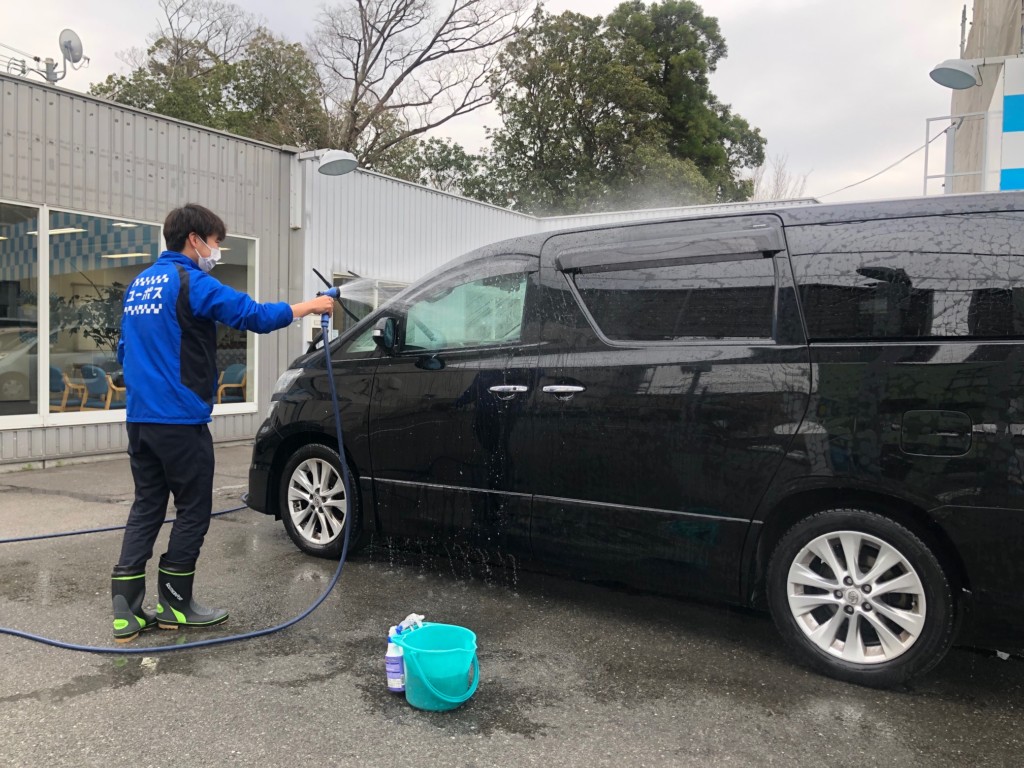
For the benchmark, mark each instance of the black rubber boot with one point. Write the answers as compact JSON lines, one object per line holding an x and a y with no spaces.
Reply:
{"x":128,"y":590}
{"x":176,"y":607}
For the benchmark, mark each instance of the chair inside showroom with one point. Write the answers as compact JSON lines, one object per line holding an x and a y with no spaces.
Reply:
{"x":231,"y":385}
{"x":103,"y":395}
{"x":64,"y":393}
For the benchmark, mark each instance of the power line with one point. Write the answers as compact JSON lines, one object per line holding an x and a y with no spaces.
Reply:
{"x":20,"y":53}
{"x":887,"y":168}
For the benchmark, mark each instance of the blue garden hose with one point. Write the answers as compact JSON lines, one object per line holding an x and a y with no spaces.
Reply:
{"x":84,"y":531}
{"x":324,"y":324}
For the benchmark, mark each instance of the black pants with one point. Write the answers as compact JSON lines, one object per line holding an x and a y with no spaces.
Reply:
{"x":166,"y":459}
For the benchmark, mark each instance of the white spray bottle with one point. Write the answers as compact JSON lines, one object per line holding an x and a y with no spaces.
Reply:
{"x":394,"y":662}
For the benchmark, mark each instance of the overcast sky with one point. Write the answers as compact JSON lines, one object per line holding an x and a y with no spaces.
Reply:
{"x":841,"y":89}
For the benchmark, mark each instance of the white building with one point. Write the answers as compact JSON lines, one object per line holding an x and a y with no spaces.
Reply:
{"x":984,"y":131}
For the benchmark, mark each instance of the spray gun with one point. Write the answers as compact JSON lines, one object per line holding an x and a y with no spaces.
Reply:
{"x":334,"y":292}
{"x":325,"y":319}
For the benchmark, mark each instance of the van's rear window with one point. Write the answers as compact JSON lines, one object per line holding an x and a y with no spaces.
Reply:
{"x":724,"y":300}
{"x":949,"y":276}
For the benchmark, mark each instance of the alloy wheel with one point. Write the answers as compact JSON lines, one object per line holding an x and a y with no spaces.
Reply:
{"x":316,"y":501}
{"x":856,"y":597}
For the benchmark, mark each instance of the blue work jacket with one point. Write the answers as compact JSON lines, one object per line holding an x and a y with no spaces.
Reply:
{"x":168,"y":346}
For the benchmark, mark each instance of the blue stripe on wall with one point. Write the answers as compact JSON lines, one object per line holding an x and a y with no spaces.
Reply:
{"x":1013,"y":113}
{"x":1011,"y":178}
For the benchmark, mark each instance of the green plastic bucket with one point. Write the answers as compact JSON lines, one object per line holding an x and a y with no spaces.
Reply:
{"x":441,"y":668}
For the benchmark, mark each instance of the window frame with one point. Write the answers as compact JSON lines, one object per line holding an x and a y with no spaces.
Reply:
{"x":701,"y":241}
{"x":75,"y":418}
{"x":504,"y":265}
{"x":807,"y":248}
{"x":252,"y":405}
{"x":28,"y":420}
{"x":43,"y":417}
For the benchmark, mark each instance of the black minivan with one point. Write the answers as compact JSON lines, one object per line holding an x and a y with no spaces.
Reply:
{"x":818,"y":409}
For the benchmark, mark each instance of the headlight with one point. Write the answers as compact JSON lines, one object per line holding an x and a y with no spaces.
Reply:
{"x":285,"y":381}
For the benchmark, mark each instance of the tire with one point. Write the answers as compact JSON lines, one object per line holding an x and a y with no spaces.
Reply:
{"x":14,"y":387}
{"x":313,"y":505}
{"x":866,"y":626}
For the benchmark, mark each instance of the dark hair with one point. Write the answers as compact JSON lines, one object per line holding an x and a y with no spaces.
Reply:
{"x":181,"y":222}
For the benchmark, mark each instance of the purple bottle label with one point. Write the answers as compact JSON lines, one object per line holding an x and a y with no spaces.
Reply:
{"x":395,"y":669}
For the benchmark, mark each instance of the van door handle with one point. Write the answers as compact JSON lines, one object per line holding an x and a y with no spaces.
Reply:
{"x":507,"y":391}
{"x":564,"y":391}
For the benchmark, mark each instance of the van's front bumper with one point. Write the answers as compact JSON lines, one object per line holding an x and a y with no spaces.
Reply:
{"x":259,"y":481}
{"x":260,"y":468}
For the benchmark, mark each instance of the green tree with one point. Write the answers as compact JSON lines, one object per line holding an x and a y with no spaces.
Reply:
{"x":211,"y":63}
{"x":197,"y":98}
{"x":437,"y":163}
{"x":274,"y":95}
{"x":582,"y":125}
{"x":678,"y":49}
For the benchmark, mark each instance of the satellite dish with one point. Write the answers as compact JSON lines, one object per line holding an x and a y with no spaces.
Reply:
{"x":71,"y":45}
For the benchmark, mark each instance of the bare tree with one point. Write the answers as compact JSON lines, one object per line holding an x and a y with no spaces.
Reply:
{"x":773,"y":181}
{"x":394,"y":69}
{"x":194,"y":35}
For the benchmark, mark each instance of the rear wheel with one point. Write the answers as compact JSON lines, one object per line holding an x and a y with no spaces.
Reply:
{"x":860,"y":597}
{"x":314,"y":507}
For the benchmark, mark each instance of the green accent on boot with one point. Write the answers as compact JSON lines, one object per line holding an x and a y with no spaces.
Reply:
{"x":177,"y":573}
{"x":177,"y":617}
{"x":128,"y":592}
{"x":218,"y":620}
{"x":177,"y":606}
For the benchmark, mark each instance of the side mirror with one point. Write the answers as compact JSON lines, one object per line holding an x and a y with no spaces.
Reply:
{"x":385,"y":333}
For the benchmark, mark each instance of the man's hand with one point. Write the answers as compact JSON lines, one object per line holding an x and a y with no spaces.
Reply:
{"x":321,"y":305}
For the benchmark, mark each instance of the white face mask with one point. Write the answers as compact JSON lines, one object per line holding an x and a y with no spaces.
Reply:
{"x":206,"y":263}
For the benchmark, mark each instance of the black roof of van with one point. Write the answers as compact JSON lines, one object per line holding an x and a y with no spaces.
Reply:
{"x":792,"y":216}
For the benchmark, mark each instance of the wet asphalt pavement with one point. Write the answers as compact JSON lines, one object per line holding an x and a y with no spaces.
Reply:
{"x":573,"y":674}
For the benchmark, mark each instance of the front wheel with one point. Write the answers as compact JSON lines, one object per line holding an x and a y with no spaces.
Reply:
{"x":314,"y":507}
{"x":861,"y":598}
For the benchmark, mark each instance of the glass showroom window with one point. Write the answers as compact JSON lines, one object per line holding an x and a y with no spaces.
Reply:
{"x":236,"y":350}
{"x":19,"y":303}
{"x":92,"y":261}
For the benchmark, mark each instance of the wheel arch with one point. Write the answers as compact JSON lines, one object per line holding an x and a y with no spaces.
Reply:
{"x":288,"y":446}
{"x":790,"y":510}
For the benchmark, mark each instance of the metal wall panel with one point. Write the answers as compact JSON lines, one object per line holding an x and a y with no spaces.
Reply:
{"x":67,"y":150}
{"x":388,"y":229}
{"x":376,"y":226}
{"x":23,"y":446}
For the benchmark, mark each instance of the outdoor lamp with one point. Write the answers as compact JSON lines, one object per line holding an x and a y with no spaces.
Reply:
{"x":960,"y":74}
{"x":337,"y":162}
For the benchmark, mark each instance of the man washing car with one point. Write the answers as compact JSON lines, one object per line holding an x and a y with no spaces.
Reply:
{"x":168,"y":353}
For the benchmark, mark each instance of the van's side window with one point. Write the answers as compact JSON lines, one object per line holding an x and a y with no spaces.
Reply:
{"x":683,"y":301}
{"x":488,"y":310}
{"x":926,"y":277}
